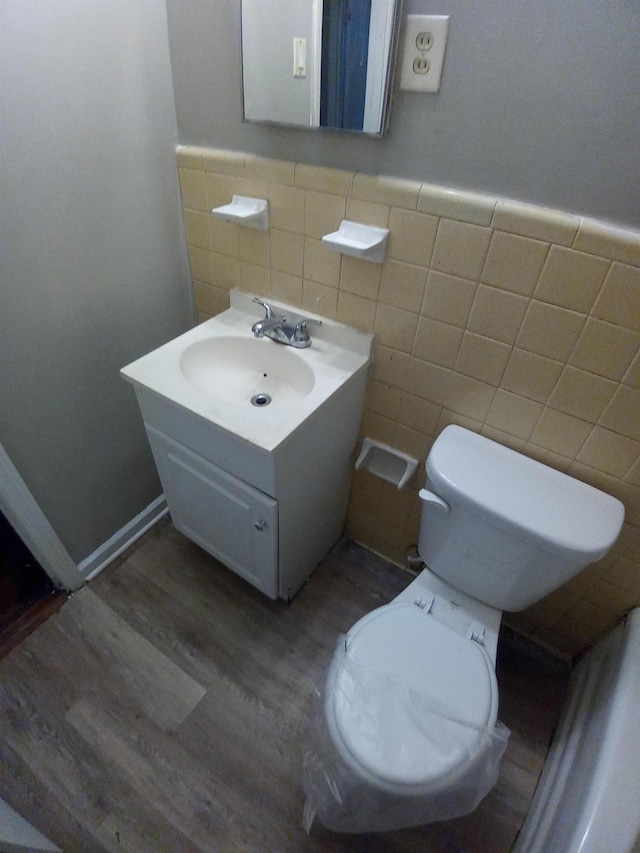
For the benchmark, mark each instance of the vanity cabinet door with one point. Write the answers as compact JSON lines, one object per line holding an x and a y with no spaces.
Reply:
{"x":230,"y":519}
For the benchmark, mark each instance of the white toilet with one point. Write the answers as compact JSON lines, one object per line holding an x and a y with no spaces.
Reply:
{"x":498,"y":531}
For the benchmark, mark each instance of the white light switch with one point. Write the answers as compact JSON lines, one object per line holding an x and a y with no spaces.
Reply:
{"x":424,"y":44}
{"x":299,"y":57}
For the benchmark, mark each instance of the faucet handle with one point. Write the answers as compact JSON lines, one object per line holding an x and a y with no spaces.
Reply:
{"x":301,"y":332}
{"x":269,"y":312}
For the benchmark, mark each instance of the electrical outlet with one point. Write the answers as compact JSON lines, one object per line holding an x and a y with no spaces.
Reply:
{"x":424,"y":44}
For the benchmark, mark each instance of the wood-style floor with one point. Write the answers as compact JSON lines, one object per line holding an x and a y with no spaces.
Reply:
{"x":163,"y":708}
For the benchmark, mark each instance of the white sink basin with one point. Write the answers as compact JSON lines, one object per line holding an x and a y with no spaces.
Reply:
{"x":247,"y":370}
{"x":216,"y":368}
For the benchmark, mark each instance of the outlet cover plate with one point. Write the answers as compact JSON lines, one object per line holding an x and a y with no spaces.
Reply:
{"x":413,"y":78}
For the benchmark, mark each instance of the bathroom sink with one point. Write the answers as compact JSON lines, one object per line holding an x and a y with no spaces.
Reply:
{"x":254,"y":440}
{"x":246,"y":370}
{"x":214,"y":371}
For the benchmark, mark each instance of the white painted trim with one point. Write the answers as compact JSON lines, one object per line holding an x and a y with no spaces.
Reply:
{"x":316,"y":52}
{"x":123,"y":538}
{"x":379,"y":54}
{"x":18,"y":836}
{"x":25,"y":516}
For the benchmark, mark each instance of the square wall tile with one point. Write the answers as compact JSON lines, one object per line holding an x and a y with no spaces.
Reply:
{"x":323,"y":214}
{"x":210,"y":300}
{"x":428,"y":380}
{"x":610,"y":597}
{"x":224,"y":237}
{"x":197,"y":228}
{"x":220,"y":189}
{"x":623,"y":413}
{"x":571,"y":279}
{"x":531,"y":375}
{"x":411,"y":236}
{"x":482,"y":358}
{"x":514,"y":414}
{"x":356,"y":311}
{"x":402,"y":285}
{"x":390,"y":365}
{"x":418,"y":414}
{"x":469,"y":397}
{"x":547,"y":457}
{"x":514,"y":263}
{"x":201,"y":262}
{"x":320,"y":299}
{"x":582,"y":394}
{"x":395,"y":328}
{"x":254,"y":246}
{"x":632,"y":375}
{"x":414,"y":443}
{"x":226,"y":271}
{"x":286,"y":208}
{"x":321,"y":264}
{"x":497,"y":314}
{"x":550,"y":331}
{"x":448,"y":298}
{"x":605,"y":349}
{"x":437,"y":342}
{"x":368,"y":213}
{"x":609,"y":452}
{"x":505,"y":438}
{"x":287,"y":288}
{"x":383,"y":399}
{"x":287,"y":252}
{"x":252,"y":188}
{"x":561,"y":433}
{"x":359,"y":277}
{"x":619,"y":300}
{"x":255,"y":278}
{"x":460,"y":249}
{"x":193,"y":189}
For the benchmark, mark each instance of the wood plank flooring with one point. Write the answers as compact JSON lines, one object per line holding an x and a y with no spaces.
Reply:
{"x":163,"y":708}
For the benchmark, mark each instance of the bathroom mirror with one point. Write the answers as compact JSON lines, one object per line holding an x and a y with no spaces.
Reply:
{"x":318,"y":63}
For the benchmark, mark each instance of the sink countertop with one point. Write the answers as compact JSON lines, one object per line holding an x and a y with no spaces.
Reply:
{"x":337,"y":353}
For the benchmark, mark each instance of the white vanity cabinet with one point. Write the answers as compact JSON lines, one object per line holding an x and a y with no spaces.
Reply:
{"x":230,"y":519}
{"x":264,"y":490}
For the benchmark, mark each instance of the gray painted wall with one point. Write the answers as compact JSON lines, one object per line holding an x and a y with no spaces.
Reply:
{"x":539,"y":102}
{"x":94,"y":267}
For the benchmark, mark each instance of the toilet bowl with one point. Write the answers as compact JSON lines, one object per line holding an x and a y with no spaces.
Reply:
{"x":398,"y":653}
{"x":410,"y":703}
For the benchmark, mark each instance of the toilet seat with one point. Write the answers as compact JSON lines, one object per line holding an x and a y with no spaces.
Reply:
{"x":408,"y":701}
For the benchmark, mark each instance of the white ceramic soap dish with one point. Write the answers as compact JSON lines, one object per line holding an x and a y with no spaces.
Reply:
{"x":252,"y":212}
{"x":360,"y":241}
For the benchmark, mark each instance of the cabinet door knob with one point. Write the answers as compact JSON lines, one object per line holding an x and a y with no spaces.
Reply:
{"x":260,"y":525}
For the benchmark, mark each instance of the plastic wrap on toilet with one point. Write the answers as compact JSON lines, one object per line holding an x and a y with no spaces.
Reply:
{"x":463,"y":760}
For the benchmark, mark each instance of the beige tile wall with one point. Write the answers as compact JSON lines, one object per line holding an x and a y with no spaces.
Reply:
{"x":519,"y":322}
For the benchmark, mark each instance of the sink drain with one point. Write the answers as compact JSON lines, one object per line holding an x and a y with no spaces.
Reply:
{"x":260,"y":400}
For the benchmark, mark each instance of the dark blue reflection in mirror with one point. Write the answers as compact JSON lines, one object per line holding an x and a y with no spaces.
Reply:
{"x":345,"y":41}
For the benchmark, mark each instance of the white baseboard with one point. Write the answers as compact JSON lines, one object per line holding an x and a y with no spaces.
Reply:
{"x":123,"y":538}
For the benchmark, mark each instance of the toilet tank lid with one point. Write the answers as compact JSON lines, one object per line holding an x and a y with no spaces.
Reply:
{"x":568,"y":516}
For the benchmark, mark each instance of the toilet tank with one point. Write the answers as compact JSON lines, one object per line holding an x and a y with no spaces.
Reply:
{"x":508,"y":530}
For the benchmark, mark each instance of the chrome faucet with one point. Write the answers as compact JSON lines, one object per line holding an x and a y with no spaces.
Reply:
{"x":278,"y":328}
